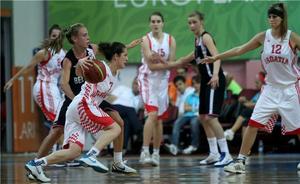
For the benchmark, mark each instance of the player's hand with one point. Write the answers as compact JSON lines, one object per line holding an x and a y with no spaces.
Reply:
{"x":214,"y":81}
{"x":156,"y":58}
{"x":85,"y":63}
{"x":208,"y":59}
{"x":134,"y":43}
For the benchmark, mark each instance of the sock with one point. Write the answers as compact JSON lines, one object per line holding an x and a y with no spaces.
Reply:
{"x":156,"y":151}
{"x":223,"y":145}
{"x":41,"y":161}
{"x":213,"y":147}
{"x":118,"y":157}
{"x":146,"y":149}
{"x":93,"y":152}
{"x":242,"y":157}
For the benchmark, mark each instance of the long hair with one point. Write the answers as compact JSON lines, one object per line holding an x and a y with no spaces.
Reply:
{"x":54,"y":44}
{"x":279,"y":9}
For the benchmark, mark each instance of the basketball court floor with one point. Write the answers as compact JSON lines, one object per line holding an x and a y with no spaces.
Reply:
{"x":268,"y":168}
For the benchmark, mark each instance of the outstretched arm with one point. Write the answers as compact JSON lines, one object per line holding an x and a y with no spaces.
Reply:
{"x":37,"y":58}
{"x":134,"y":43}
{"x":296,"y":40}
{"x":254,"y":43}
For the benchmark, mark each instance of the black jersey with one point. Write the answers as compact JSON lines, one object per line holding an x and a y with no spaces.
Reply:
{"x":201,"y":51}
{"x":75,"y":81}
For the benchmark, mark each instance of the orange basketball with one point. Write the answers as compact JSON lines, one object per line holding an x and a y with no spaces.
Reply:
{"x":95,"y":73}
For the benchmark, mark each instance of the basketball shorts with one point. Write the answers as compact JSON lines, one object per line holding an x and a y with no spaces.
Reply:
{"x":83,"y":118}
{"x":48,"y":97}
{"x":211,"y":100}
{"x":154,"y":92}
{"x":284,"y":101}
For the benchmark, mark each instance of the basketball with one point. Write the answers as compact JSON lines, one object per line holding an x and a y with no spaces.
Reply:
{"x":95,"y":73}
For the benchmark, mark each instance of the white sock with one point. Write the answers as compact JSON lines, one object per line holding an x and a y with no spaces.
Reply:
{"x":118,"y":157}
{"x":41,"y":161}
{"x":156,"y":151}
{"x":146,"y":149}
{"x":213,"y":147}
{"x":223,"y":145}
{"x":242,"y":157}
{"x":93,"y":152}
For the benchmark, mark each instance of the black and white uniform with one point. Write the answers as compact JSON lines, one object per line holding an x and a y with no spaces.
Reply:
{"x":211,"y":99}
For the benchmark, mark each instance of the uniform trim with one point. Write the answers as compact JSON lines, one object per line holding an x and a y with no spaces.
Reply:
{"x":170,"y":40}
{"x":90,"y":121}
{"x":47,"y":60}
{"x":40,"y":98}
{"x":164,"y":115}
{"x":66,"y":146}
{"x":150,"y":45}
{"x":151,"y":108}
{"x":294,"y":132}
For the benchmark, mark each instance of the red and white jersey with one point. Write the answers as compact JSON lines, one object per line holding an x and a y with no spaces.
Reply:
{"x":280,"y":60}
{"x":163,"y":49}
{"x":49,"y":70}
{"x":96,"y":93}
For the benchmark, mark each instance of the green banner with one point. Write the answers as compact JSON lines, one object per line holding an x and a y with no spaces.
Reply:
{"x":230,"y":22}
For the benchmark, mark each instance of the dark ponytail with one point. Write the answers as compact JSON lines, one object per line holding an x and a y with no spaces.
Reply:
{"x":279,"y":9}
{"x":110,"y":49}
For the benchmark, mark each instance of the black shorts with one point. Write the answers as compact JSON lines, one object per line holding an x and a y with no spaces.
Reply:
{"x":61,"y":120}
{"x":211,"y":100}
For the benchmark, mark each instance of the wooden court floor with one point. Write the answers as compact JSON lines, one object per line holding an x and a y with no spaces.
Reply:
{"x":272,"y":168}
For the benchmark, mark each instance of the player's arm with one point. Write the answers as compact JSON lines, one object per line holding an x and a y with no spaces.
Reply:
{"x":134,"y":43}
{"x":208,"y":41}
{"x":254,"y":43}
{"x":40,"y":56}
{"x":154,"y":61}
{"x":296,"y":40}
{"x":65,"y":78}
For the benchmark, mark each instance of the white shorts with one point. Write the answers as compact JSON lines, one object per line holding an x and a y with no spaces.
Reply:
{"x":48,"y":97}
{"x":154,"y":92}
{"x":83,"y":118}
{"x":278,"y":100}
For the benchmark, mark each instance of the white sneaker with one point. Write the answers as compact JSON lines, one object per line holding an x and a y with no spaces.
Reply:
{"x":155,"y":159}
{"x":298,"y":167}
{"x":237,"y":166}
{"x":121,"y":167}
{"x":225,"y":159}
{"x":145,"y":158}
{"x":172,"y":149}
{"x":189,"y":150}
{"x":211,"y":159}
{"x":89,"y":161}
{"x":30,"y":176}
{"x":37,"y":171}
{"x":229,"y":134}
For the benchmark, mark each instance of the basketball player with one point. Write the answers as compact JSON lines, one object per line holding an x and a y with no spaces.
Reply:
{"x":211,"y":92}
{"x":46,"y":92}
{"x":281,"y":95}
{"x":153,"y":82}
{"x":77,"y":35}
{"x":84,"y":115}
